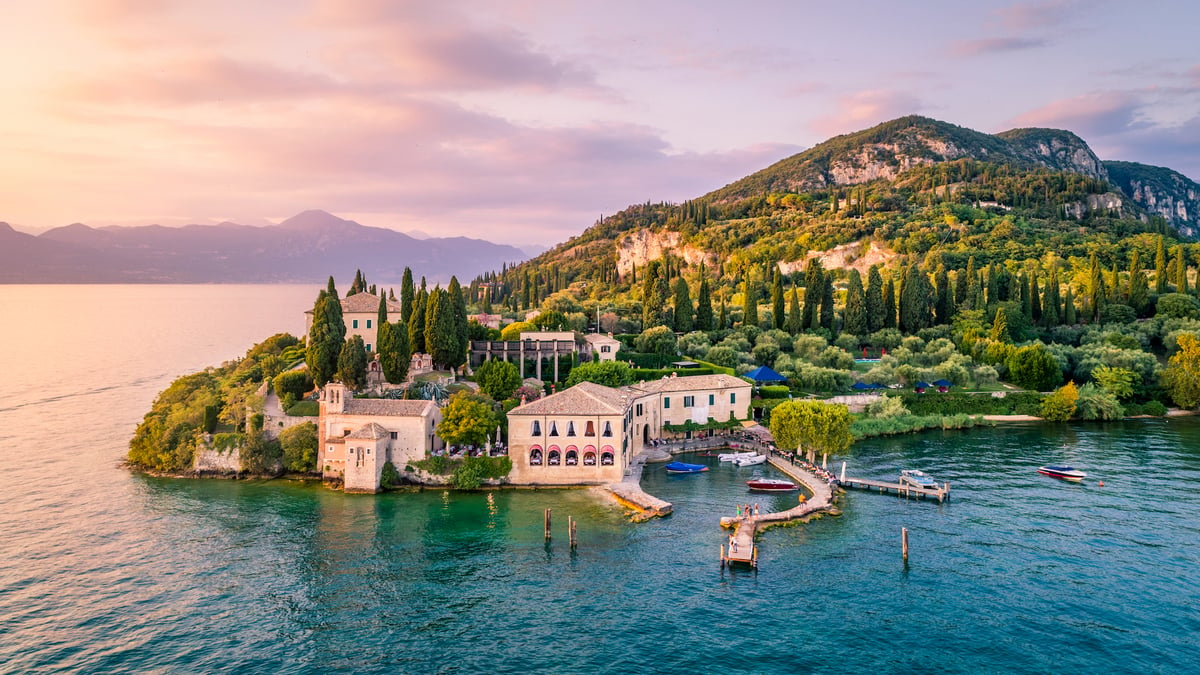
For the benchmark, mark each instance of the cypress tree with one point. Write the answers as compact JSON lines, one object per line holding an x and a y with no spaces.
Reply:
{"x":325,"y":336}
{"x":391,"y":294}
{"x":875,"y":307}
{"x":826,"y":314}
{"x":1095,"y":300}
{"x":1181,"y":270}
{"x":795,"y":319}
{"x":458,"y":308}
{"x":1139,"y":285}
{"x":683,"y":307}
{"x":975,"y":291}
{"x":1069,"y":315}
{"x":381,"y":315}
{"x":1051,"y":311}
{"x":1026,"y":299}
{"x":724,"y":321}
{"x":854,"y":317}
{"x":961,"y":286}
{"x":394,"y":351}
{"x":416,"y":321}
{"x":704,"y":310}
{"x":1000,"y":326}
{"x":993,"y":284}
{"x":749,"y":304}
{"x":1160,"y":267}
{"x":889,"y":303}
{"x":916,"y":301}
{"x":352,"y":363}
{"x":814,"y":289}
{"x":943,"y":307}
{"x":440,"y":338}
{"x":777,"y":316}
{"x":407,"y":293}
{"x":1035,"y":299}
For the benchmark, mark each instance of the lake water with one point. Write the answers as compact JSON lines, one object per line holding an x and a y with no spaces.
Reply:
{"x":102,"y":570}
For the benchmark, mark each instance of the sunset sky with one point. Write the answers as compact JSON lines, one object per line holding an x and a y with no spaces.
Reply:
{"x":523,"y":121}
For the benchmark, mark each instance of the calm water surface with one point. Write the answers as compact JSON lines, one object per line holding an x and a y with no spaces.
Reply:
{"x":106,"y":571}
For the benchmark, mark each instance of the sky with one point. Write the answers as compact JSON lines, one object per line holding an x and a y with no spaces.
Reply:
{"x":523,"y":121}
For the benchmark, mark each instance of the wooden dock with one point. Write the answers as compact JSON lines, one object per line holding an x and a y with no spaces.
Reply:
{"x":941,"y":494}
{"x":744,"y":552}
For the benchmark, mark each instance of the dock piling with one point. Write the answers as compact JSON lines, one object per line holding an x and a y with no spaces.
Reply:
{"x":904,"y":543}
{"x":571,"y":531}
{"x":547,"y":517}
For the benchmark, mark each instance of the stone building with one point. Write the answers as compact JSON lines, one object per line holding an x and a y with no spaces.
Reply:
{"x":534,"y":346}
{"x":357,"y":436}
{"x":588,"y":434}
{"x":361,"y":314}
{"x":604,"y":346}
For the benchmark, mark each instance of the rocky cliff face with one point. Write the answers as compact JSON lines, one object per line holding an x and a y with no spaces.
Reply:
{"x":641,"y":246}
{"x":1055,"y":149}
{"x":1161,"y":192}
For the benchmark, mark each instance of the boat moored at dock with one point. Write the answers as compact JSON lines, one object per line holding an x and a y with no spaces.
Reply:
{"x":752,"y":460}
{"x":734,"y":456}
{"x":683,"y":467}
{"x":918,"y":479}
{"x":771,"y":485}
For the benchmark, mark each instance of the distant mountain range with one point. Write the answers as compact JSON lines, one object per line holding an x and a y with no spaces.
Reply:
{"x":306,"y":248}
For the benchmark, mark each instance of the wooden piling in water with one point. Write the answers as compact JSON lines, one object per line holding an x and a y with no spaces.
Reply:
{"x":547,"y":517}
{"x":571,"y":531}
{"x":904,"y":543}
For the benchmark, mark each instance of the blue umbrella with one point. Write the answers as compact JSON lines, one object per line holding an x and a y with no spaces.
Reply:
{"x":921,"y":385}
{"x":765,"y":374}
{"x":943,"y":383}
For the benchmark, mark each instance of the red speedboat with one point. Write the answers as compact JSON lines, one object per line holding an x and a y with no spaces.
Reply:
{"x":1062,"y":472}
{"x":771,"y":485}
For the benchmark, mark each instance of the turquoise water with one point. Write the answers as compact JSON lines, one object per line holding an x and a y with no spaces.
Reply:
{"x":106,"y":571}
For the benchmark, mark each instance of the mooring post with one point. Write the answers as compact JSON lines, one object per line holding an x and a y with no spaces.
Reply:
{"x":904,"y":542}
{"x":843,"y":480}
{"x":547,"y":524}
{"x":571,"y":529}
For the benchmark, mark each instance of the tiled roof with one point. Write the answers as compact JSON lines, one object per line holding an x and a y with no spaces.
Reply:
{"x":386,"y":407}
{"x":363,"y":303}
{"x":585,"y":398}
{"x":599,"y":337}
{"x":691,"y":383}
{"x":371,"y":432}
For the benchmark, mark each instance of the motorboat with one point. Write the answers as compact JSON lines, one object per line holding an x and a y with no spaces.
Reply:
{"x":752,"y":460}
{"x":734,"y":456}
{"x":1062,"y":472}
{"x":771,"y":485}
{"x":918,"y":479}
{"x":683,"y":467}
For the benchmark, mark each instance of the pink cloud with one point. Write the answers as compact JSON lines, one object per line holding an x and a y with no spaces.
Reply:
{"x":866,"y":108}
{"x":983,"y":46}
{"x":1088,"y":114}
{"x":1024,"y":16}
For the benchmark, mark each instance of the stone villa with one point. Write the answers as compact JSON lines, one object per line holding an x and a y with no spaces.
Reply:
{"x":360,"y":312}
{"x":357,"y":436}
{"x":588,"y":434}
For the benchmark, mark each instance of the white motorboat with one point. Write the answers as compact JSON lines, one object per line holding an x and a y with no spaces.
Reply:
{"x":734,"y":456}
{"x":917,"y":479}
{"x":752,"y":460}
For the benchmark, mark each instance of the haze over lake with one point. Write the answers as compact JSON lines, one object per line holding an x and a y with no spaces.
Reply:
{"x":103,"y":570}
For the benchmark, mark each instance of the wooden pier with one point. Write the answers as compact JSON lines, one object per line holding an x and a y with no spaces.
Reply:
{"x":941,"y":494}
{"x":743,"y":551}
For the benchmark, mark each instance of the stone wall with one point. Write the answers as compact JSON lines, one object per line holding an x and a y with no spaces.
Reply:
{"x":210,"y":460}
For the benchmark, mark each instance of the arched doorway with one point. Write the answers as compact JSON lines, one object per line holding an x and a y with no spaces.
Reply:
{"x":645,"y":434}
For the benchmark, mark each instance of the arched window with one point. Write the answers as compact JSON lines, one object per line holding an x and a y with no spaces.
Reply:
{"x":537,"y":429}
{"x":553,"y":457}
{"x":553,"y":428}
{"x":571,"y":428}
{"x":535,"y":456}
{"x":590,"y":429}
{"x":606,"y":458}
{"x":572,"y":456}
{"x":589,"y":459}
{"x":608,"y":429}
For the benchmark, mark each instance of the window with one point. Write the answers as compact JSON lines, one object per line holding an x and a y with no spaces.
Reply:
{"x":535,"y":456}
{"x":355,"y":321}
{"x":553,"y":428}
{"x":712,"y":399}
{"x":604,"y":349}
{"x":537,"y":429}
{"x":590,"y":429}
{"x":608,"y":429}
{"x":368,"y":344}
{"x":368,"y":323}
{"x":570,"y":428}
{"x":733,"y":397}
{"x":345,"y":432}
{"x":553,"y":458}
{"x":572,"y":457}
{"x":394,"y":435}
{"x":589,"y":459}
{"x":689,"y":401}
{"x":666,"y":402}
{"x":639,"y":410}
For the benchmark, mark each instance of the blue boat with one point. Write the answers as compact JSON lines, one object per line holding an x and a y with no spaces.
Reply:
{"x":681,"y":467}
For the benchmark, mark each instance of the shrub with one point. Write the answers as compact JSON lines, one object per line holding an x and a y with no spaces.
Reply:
{"x":390,"y":477}
{"x":304,"y":409}
{"x":1155,"y":408}
{"x":297,"y":383}
{"x":1178,"y":306}
{"x":299,"y":447}
{"x":1060,"y":406}
{"x":1097,"y":404}
{"x":773,"y":392}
